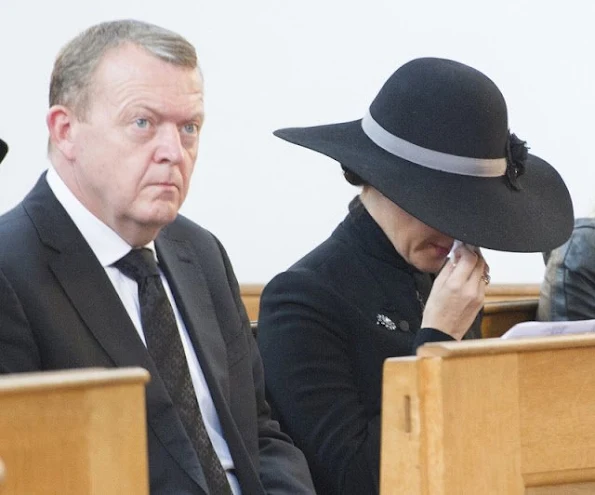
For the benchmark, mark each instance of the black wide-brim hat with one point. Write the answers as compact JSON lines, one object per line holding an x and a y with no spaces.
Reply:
{"x":436,"y":142}
{"x":3,"y":150}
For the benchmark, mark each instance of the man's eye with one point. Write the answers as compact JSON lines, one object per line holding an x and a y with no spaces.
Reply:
{"x":142,"y":123}
{"x":191,"y":128}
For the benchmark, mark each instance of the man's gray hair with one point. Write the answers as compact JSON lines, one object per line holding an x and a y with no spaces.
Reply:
{"x":76,"y":63}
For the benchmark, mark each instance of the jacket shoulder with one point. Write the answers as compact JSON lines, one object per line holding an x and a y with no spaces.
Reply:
{"x":182,"y":228}
{"x":18,"y":235}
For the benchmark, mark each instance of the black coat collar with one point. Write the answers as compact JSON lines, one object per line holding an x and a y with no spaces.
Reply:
{"x":362,"y":229}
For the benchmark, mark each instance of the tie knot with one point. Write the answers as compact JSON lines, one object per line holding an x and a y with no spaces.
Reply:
{"x":138,"y":264}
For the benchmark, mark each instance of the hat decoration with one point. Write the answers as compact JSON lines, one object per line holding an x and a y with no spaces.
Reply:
{"x":516,"y":156}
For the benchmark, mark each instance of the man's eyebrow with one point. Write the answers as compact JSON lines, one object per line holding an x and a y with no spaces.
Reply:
{"x":199,"y":115}
{"x":132,"y":109}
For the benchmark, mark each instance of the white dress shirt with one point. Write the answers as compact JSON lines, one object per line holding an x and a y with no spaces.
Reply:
{"x":109,"y":247}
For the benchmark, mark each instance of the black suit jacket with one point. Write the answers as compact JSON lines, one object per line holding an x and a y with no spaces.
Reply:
{"x":58,"y":309}
{"x":325,"y":327}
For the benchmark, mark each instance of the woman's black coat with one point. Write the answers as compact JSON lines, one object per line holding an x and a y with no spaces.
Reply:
{"x":325,"y":327}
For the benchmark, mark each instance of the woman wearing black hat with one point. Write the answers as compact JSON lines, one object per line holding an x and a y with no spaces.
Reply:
{"x":437,"y":163}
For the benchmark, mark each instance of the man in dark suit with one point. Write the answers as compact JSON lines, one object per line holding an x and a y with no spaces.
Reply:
{"x":126,"y":109}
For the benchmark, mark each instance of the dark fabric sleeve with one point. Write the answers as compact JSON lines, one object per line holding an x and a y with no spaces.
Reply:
{"x":426,"y":335}
{"x":283,"y":470}
{"x":304,"y":338}
{"x":18,"y":350}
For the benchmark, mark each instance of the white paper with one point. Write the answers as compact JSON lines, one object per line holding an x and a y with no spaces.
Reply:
{"x":545,"y":328}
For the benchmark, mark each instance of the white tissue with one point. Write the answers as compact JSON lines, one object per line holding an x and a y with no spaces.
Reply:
{"x":458,"y":243}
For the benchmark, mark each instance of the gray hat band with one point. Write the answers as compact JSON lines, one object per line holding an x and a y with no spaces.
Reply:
{"x":462,"y":165}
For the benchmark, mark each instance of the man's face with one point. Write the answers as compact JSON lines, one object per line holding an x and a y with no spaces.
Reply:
{"x":134,"y":151}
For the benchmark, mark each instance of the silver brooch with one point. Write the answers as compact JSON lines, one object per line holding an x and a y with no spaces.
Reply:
{"x":385,"y":321}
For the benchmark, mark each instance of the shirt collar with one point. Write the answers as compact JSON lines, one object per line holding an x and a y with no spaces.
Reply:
{"x":107,"y":245}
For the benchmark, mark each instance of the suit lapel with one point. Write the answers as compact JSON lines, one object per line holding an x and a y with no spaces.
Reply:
{"x":191,"y":290}
{"x":193,"y":299}
{"x":92,"y":294}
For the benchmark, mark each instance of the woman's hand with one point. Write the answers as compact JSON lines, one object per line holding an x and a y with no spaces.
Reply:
{"x":457,"y":294}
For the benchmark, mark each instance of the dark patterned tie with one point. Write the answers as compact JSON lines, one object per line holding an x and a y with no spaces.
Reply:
{"x":165,"y":347}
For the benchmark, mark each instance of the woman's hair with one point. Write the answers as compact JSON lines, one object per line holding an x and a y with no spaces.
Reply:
{"x":353,"y":178}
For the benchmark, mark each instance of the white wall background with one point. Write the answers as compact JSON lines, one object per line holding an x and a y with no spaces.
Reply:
{"x":275,"y":63}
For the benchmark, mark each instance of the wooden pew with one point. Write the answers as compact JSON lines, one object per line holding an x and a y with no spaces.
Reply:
{"x":505,"y":305}
{"x":511,"y":292}
{"x":499,"y":316}
{"x":76,"y":432}
{"x":251,"y":298}
{"x":491,"y":417}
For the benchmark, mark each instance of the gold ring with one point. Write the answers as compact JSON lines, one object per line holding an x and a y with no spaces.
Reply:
{"x":486,"y":278}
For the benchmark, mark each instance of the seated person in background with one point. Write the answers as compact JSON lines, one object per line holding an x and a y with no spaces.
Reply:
{"x":97,"y":269}
{"x":568,"y":288}
{"x":436,"y":162}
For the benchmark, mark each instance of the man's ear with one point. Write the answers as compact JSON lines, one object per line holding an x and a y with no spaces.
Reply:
{"x":60,"y":121}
